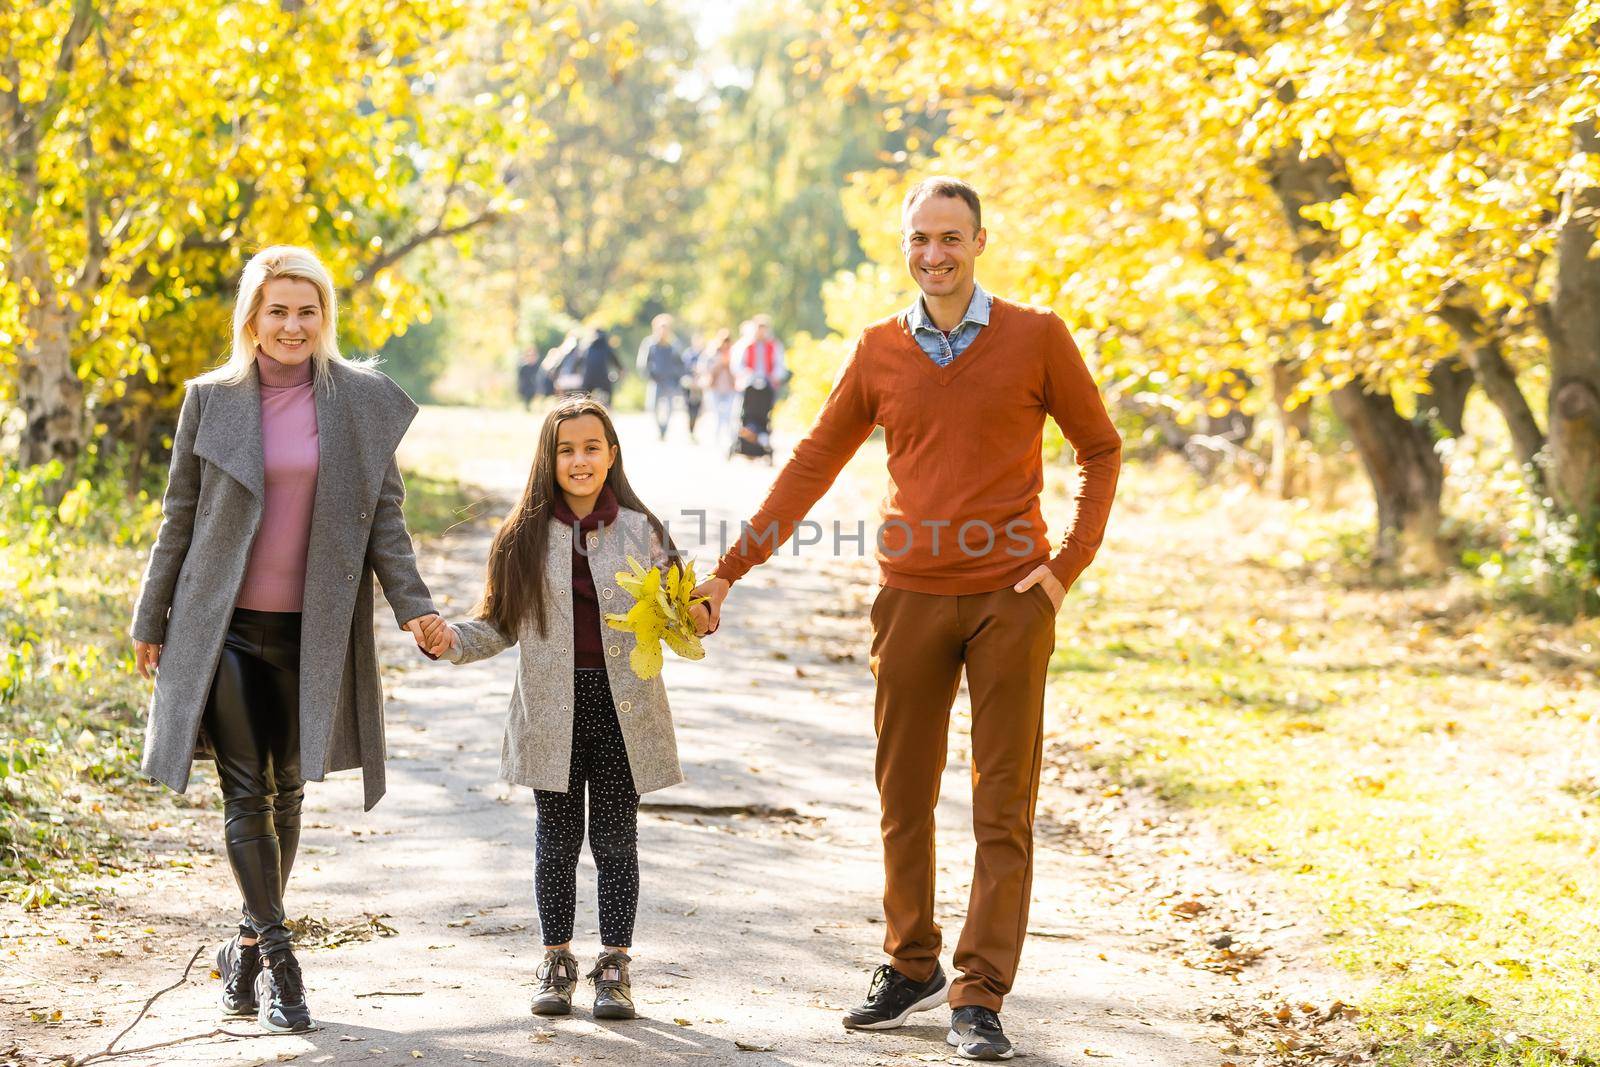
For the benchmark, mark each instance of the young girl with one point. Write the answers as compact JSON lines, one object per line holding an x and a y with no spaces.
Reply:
{"x":580,"y":718}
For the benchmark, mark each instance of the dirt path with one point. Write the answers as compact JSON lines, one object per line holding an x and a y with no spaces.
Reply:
{"x":755,"y":929}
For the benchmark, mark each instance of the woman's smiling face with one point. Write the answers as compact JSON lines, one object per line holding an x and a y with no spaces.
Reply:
{"x":289,"y":324}
{"x":583,"y":458}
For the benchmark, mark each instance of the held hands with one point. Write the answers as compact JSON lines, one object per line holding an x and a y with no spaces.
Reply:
{"x":708,"y":616}
{"x":433,"y":635}
{"x":1042,"y":575}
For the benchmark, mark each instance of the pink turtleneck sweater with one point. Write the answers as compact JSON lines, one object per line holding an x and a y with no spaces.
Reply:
{"x":275,"y":577}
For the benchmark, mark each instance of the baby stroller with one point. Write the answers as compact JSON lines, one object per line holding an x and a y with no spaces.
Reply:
{"x":755,"y":422}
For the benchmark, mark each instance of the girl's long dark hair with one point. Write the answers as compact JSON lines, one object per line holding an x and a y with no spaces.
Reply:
{"x":515,"y":583}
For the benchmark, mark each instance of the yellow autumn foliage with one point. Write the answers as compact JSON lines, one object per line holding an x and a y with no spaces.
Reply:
{"x":660,"y":613}
{"x":1137,"y":160}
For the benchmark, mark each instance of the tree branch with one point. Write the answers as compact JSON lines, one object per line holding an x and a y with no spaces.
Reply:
{"x":1483,"y":349}
{"x":94,"y":256}
{"x":107,"y":1053}
{"x":437,"y":232}
{"x":144,"y":279}
{"x":83,"y":13}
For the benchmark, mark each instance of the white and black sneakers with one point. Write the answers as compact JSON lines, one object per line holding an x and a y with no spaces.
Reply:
{"x":892,"y":997}
{"x":238,"y":964}
{"x":975,"y":1032}
{"x":268,"y":987}
{"x":281,"y":995}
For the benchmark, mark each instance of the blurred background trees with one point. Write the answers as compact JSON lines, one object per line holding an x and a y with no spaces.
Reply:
{"x":150,"y":149}
{"x":1255,"y":207}
{"x":1296,"y":240}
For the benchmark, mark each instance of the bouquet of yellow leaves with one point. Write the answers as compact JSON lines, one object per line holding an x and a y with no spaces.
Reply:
{"x":660,"y":613}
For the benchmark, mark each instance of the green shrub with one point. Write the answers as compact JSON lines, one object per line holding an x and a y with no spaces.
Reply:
{"x":68,"y":694}
{"x":1521,"y":549}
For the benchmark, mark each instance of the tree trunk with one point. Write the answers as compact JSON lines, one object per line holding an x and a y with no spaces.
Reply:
{"x":1450,"y":381}
{"x":1572,"y":325}
{"x":1397,"y":453}
{"x":48,"y":390}
{"x":1406,"y":474}
{"x":1484,"y":352}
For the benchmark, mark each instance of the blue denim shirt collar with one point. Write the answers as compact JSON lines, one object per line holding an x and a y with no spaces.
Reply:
{"x":977,"y":312}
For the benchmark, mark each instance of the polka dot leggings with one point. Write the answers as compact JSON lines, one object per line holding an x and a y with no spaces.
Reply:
{"x":600,"y":761}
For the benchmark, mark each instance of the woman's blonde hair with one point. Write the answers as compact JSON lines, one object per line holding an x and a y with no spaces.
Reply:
{"x":280,"y":261}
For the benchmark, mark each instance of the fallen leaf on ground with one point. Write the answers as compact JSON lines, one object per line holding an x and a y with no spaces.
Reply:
{"x":311,"y":932}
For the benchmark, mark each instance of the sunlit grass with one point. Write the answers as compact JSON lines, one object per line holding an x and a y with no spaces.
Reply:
{"x":73,"y":722}
{"x":1423,"y":770}
{"x":435,"y":505}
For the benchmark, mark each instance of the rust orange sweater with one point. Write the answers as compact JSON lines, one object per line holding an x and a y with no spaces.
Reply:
{"x":962,"y":510}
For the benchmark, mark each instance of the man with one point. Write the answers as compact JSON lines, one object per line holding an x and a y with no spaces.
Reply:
{"x":961,"y":382}
{"x":661,"y":365}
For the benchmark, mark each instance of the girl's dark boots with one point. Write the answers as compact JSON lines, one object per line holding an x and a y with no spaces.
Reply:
{"x":558,"y":976}
{"x":613,"y":993}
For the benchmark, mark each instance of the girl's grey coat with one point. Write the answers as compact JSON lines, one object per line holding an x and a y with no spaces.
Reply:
{"x":210,"y":515}
{"x":537,"y":749}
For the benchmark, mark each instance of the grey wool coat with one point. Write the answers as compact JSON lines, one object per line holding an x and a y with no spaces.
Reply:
{"x":537,"y":748}
{"x":210,"y":515}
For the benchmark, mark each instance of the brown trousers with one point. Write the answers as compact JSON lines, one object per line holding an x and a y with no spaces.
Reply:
{"x":920,"y":643}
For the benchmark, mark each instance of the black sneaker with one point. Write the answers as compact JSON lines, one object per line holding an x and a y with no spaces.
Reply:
{"x":281,"y":995}
{"x":613,"y":993}
{"x":557,"y":976}
{"x":892,"y":997}
{"x":238,"y":964}
{"x":976,"y":1034}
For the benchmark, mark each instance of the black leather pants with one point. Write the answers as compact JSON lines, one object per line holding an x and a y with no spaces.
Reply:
{"x":253,"y":720}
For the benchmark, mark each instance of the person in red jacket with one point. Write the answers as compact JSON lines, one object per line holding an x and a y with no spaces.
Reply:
{"x":961,"y":382}
{"x":758,"y":355}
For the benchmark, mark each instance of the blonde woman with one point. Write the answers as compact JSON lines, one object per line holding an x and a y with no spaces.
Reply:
{"x":255,"y":613}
